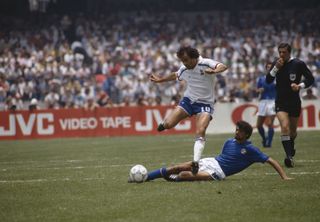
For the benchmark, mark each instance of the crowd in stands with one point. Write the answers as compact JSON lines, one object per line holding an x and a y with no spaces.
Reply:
{"x":105,"y":61}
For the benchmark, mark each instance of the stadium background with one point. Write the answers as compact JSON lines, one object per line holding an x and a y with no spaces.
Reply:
{"x":85,"y":179}
{"x":87,"y":55}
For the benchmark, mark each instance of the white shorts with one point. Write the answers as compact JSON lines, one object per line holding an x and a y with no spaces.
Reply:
{"x":212,"y":167}
{"x":266,"y":108}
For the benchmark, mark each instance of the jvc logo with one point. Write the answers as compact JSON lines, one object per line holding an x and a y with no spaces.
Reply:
{"x":154,"y":113}
{"x":26,"y":126}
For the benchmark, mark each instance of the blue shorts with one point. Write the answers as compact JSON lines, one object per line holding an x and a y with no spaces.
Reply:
{"x":195,"y":108}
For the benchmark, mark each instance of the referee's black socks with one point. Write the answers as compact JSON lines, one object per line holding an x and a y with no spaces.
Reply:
{"x":292,"y":144}
{"x":288,"y":146}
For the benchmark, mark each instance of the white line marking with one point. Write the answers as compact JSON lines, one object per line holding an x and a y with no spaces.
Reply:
{"x":89,"y":179}
{"x":47,"y":180}
{"x":293,"y":173}
{"x":64,"y":168}
{"x":307,"y":161}
{"x":101,"y":160}
{"x":21,"y":167}
{"x":304,"y":173}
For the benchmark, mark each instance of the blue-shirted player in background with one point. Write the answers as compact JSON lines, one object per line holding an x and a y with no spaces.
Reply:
{"x":237,"y":154}
{"x":266,"y":108}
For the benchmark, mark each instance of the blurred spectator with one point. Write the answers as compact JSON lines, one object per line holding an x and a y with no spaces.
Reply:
{"x":141,"y":101}
{"x":91,"y":104}
{"x":4,"y":85}
{"x":3,"y":96}
{"x":126,"y":102}
{"x":175,"y":99}
{"x":33,"y":104}
{"x":158,"y":101}
{"x":309,"y":95}
{"x":13,"y":103}
{"x":52,"y":100}
{"x":57,"y":59}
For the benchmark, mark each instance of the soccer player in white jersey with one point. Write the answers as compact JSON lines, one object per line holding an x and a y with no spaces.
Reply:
{"x":198,"y":98}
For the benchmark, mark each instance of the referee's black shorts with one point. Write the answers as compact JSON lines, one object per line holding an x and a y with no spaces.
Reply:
{"x":292,"y":110}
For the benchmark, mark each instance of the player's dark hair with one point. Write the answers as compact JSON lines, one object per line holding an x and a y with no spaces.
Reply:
{"x":245,"y":127}
{"x":191,"y":52}
{"x":285,"y":45}
{"x":267,"y":64}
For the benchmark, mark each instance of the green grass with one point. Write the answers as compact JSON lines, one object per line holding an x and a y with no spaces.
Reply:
{"x":86,"y":180}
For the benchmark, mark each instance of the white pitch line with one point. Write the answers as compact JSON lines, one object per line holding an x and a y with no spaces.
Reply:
{"x":293,"y":173}
{"x":304,"y":173}
{"x":89,"y":179}
{"x":99,"y":166}
{"x":51,"y":161}
{"x":95,"y":160}
{"x":306,"y":161}
{"x":64,"y":168}
{"x":47,"y":180}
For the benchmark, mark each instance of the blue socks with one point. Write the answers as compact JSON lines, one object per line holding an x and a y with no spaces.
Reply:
{"x":159,"y":173}
{"x":270,"y":136}
{"x":162,"y":173}
{"x":262,"y":134}
{"x":266,"y":142}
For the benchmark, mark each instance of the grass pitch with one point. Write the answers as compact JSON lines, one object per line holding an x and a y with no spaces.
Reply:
{"x":86,"y":180}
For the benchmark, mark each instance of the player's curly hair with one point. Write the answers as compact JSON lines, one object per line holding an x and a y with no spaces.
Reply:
{"x":245,"y":127}
{"x":191,"y":52}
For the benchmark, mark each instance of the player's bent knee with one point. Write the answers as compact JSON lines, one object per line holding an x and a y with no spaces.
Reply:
{"x":185,"y":175}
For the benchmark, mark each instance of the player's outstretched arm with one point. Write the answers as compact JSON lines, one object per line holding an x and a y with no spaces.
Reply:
{"x":278,"y":168}
{"x":157,"y":79}
{"x":220,"y":68}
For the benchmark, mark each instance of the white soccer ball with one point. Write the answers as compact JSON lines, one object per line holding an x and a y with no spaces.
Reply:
{"x":138,"y":173}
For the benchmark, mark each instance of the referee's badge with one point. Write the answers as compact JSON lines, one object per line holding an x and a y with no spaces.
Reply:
{"x":243,"y":151}
{"x":292,"y":76}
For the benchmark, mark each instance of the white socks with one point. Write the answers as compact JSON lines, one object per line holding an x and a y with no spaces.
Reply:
{"x":198,"y":148}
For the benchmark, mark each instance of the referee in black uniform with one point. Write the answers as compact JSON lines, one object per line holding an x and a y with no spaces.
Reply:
{"x":288,"y":73}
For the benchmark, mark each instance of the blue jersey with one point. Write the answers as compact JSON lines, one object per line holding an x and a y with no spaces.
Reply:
{"x":269,"y":89}
{"x":236,"y":157}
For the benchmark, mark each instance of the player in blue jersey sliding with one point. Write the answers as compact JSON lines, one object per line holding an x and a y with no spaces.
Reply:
{"x":237,"y":154}
{"x":266,"y":108}
{"x":198,"y":98}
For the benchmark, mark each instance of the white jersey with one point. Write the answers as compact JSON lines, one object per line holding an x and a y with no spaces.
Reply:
{"x":200,"y":86}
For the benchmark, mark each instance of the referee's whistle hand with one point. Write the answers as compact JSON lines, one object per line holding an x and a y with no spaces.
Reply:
{"x":279,"y":63}
{"x":295,"y":87}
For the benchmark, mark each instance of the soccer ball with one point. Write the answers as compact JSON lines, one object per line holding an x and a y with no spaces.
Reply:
{"x":138,"y":174}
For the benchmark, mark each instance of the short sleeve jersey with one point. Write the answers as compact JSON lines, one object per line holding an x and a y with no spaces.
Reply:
{"x":269,"y":89}
{"x":236,"y":157}
{"x":200,"y":86}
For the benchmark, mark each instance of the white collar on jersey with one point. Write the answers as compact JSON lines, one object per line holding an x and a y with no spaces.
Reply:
{"x":199,"y":59}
